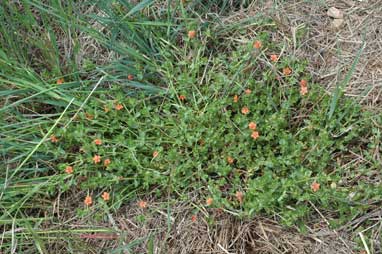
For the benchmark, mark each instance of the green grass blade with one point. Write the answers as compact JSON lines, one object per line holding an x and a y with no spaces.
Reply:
{"x":340,"y":86}
{"x":139,"y":7}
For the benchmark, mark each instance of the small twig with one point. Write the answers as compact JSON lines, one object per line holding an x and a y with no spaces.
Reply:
{"x":221,"y":247}
{"x":364,"y":242}
{"x":166,"y":215}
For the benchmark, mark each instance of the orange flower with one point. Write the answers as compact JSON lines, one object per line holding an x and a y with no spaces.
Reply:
{"x":106,"y":109}
{"x":69,"y":169}
{"x":98,"y":142}
{"x":230,"y":160}
{"x":303,"y":90}
{"x":88,"y":200}
{"x":209,"y":201}
{"x":191,"y":34}
{"x":193,"y":218}
{"x":89,"y":116}
{"x":182,"y":97}
{"x":257,"y":44}
{"x":287,"y":71}
{"x":252,"y":125}
{"x":248,"y":91}
{"x":118,"y":106}
{"x":96,"y":159}
{"x":245,"y":110}
{"x":274,"y":58}
{"x":53,"y":139}
{"x":106,"y":196}
{"x":130,"y":77}
{"x":239,"y":195}
{"x":235,"y":98}
{"x":315,"y":186}
{"x":142,"y":204}
{"x":60,"y":81}
{"x":303,"y":87}
{"x":155,"y":154}
{"x":255,"y":135}
{"x":106,"y":162}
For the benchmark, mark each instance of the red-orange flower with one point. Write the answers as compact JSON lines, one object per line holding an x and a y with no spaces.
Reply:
{"x":245,"y":110}
{"x":130,"y":77}
{"x":303,"y":90}
{"x":209,"y":201}
{"x":287,"y":71}
{"x":155,"y":154}
{"x":53,"y":139}
{"x":230,"y":160}
{"x":105,"y":196}
{"x":248,"y":91}
{"x":118,"y":106}
{"x":255,"y":135}
{"x":274,"y":58}
{"x":257,"y":44}
{"x":69,"y":169}
{"x":303,"y":87}
{"x":88,"y":200}
{"x":142,"y":204}
{"x":96,"y":159}
{"x":98,"y":142}
{"x":193,"y":218}
{"x":252,"y":125}
{"x":239,"y":195}
{"x":191,"y":34}
{"x":182,"y":97}
{"x":315,"y":186}
{"x":60,"y":81}
{"x":106,"y":162}
{"x":235,"y":98}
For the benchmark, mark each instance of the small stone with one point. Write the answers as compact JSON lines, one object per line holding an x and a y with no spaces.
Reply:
{"x":335,"y":13}
{"x":337,"y":23}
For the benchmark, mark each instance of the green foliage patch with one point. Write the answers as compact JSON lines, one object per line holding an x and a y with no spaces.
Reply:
{"x":196,"y":137}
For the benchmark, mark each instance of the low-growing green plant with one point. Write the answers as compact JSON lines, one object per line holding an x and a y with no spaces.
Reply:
{"x":252,"y":141}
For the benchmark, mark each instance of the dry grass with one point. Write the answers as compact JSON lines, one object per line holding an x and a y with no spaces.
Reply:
{"x":331,"y":52}
{"x":172,"y":230}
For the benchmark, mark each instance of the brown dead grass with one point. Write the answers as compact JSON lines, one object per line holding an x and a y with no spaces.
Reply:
{"x":331,"y":52}
{"x":169,"y":228}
